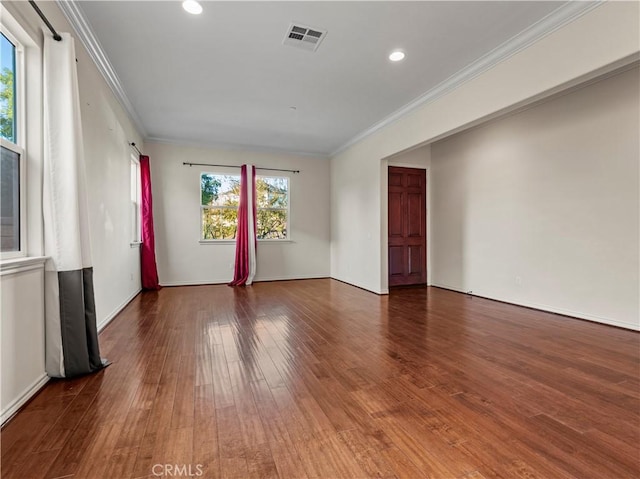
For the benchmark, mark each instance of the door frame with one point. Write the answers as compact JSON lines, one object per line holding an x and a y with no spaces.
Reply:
{"x":384,"y":219}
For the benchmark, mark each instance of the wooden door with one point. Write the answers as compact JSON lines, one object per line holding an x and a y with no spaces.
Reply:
{"x":407,"y":226}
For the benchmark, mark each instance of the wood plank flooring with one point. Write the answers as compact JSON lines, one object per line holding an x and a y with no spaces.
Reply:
{"x":318,"y":379}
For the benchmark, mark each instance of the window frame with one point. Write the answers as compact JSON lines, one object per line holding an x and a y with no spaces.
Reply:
{"x":19,"y":146}
{"x":232,"y":241}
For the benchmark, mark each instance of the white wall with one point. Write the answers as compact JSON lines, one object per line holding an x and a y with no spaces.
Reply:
{"x":541,"y":208}
{"x":565,"y":56}
{"x":415,"y":158}
{"x":107,"y":132}
{"x":176,"y":206}
{"x":21,"y":335}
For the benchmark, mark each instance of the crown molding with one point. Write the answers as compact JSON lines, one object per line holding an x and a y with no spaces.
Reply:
{"x":236,"y":147}
{"x":563,"y":15}
{"x":82,"y":27}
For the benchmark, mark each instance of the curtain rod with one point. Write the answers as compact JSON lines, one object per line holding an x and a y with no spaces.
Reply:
{"x":56,"y":35}
{"x":236,"y":166}
{"x":133,"y":145}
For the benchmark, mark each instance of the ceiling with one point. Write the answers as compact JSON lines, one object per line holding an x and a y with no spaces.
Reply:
{"x":225,"y":77}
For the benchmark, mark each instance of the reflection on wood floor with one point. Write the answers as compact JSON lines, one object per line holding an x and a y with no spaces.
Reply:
{"x":319,"y":379}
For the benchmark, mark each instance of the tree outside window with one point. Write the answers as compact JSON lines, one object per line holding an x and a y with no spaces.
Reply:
{"x":12,"y":156}
{"x":7,"y":89}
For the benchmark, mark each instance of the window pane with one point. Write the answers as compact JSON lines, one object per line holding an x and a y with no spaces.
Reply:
{"x":272,"y":224}
{"x":7,"y":89}
{"x":219,"y":190}
{"x":10,"y":200}
{"x":272,"y":192}
{"x":135,"y":200}
{"x":219,"y":223}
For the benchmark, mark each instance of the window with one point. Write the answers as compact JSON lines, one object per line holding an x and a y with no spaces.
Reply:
{"x":12,"y":168}
{"x":10,"y":201}
{"x":135,"y":201}
{"x":272,"y":207}
{"x":219,"y":199}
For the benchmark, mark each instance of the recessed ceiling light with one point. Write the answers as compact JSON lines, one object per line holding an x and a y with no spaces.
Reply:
{"x":396,"y":56}
{"x":192,"y":6}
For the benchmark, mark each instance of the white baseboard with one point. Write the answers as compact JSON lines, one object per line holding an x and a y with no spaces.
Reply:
{"x":103,"y":324}
{"x":379,"y":292}
{"x":191,"y":283}
{"x":292,"y":278}
{"x":258,"y":280}
{"x":547,"y":308}
{"x":27,"y":394}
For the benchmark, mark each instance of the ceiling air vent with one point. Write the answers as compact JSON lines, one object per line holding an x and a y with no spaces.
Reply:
{"x":302,"y":36}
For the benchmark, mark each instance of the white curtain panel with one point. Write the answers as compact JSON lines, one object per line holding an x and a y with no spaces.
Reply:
{"x":71,"y":334}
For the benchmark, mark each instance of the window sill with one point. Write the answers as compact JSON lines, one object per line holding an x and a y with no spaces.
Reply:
{"x":227,"y":242}
{"x":18,"y":265}
{"x":135,"y":244}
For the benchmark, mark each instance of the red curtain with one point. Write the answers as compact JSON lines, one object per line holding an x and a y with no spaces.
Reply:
{"x":245,"y":265}
{"x":148,"y":270}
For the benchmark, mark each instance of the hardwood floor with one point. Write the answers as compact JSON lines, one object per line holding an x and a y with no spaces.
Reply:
{"x":318,"y":379}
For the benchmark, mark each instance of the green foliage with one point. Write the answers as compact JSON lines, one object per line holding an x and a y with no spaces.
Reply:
{"x":272,"y":199}
{"x":220,"y":197}
{"x":209,"y":186}
{"x":272,"y":192}
{"x":272,"y":224}
{"x":219,"y":223}
{"x":7,"y":106}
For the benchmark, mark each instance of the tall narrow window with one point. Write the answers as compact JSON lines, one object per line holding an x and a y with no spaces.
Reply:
{"x":12,"y":210}
{"x":135,"y":200}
